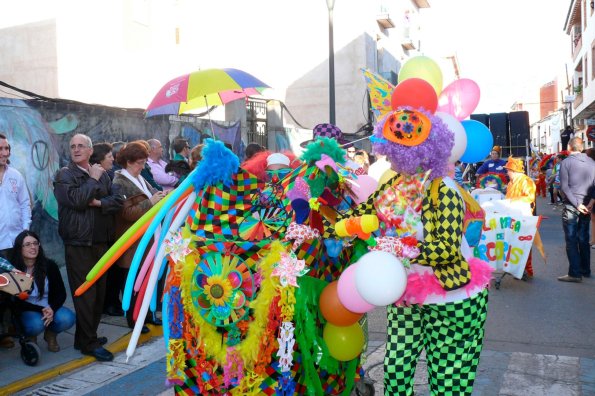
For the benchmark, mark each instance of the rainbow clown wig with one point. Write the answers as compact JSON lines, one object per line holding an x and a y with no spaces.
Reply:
{"x":414,"y":141}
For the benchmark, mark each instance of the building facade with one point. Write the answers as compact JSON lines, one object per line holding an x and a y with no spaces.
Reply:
{"x":119,"y":53}
{"x":580,"y":92}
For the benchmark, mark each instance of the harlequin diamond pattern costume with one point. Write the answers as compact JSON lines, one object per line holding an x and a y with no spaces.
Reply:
{"x":444,"y":306}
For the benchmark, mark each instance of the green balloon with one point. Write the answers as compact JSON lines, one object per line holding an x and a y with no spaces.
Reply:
{"x":424,"y":68}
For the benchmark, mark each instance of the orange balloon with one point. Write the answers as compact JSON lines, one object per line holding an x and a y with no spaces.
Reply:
{"x":332,"y":309}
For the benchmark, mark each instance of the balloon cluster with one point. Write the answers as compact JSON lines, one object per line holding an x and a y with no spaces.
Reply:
{"x":420,"y":88}
{"x":377,"y":279}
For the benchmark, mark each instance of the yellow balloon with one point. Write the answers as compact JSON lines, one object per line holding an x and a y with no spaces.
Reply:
{"x":340,"y":229}
{"x":369,"y":223}
{"x":386,"y":176}
{"x":344,"y":342}
{"x":424,"y":68}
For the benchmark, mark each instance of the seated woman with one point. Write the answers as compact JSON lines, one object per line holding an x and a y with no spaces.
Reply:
{"x":43,"y":311}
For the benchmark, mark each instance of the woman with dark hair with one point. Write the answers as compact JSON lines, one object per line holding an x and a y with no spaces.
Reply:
{"x":103,"y":155}
{"x":43,"y":311}
{"x":139,"y":197}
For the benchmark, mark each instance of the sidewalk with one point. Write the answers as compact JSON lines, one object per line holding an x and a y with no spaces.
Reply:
{"x":506,"y":373}
{"x":15,"y":375}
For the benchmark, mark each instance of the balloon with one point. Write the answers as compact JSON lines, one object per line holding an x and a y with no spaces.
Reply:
{"x":380,"y":278}
{"x":460,"y":136}
{"x":479,"y":141}
{"x":424,"y":68}
{"x":459,"y":98}
{"x":344,"y":342}
{"x":348,"y":294}
{"x":362,"y":188}
{"x":416,"y":93}
{"x":332,"y":309}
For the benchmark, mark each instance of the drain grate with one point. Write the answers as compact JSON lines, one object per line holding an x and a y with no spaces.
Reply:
{"x":54,"y":389}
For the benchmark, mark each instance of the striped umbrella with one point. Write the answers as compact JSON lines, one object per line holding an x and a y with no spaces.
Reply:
{"x":203,"y":88}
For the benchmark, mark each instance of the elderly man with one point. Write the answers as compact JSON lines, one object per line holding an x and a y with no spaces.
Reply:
{"x":15,"y":201}
{"x":577,"y":182}
{"x":86,"y":205}
{"x":165,"y":179}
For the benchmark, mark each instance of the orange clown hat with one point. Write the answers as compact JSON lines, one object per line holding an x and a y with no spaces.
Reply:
{"x":515,"y":165}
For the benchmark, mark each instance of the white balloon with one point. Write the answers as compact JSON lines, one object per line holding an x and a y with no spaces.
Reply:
{"x":380,"y":278}
{"x":455,"y":126}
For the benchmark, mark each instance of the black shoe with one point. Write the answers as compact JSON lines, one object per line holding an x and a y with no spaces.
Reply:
{"x":101,"y":340}
{"x":113,"y":311}
{"x":101,"y":354}
{"x":155,"y":321}
{"x":145,"y":330}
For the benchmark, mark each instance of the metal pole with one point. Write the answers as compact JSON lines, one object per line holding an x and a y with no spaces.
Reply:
{"x":210,"y":122}
{"x":331,"y":66}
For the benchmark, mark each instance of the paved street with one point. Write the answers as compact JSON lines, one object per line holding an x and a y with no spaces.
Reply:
{"x":539,"y":340}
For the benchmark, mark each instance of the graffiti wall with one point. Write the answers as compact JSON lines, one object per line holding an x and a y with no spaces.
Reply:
{"x":39,"y":133}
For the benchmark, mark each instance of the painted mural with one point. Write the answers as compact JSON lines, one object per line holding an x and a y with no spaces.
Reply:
{"x":39,"y":133}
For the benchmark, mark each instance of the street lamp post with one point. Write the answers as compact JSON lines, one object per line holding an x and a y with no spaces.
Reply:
{"x":330,"y":4}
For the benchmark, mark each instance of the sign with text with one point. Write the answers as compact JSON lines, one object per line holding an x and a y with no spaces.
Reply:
{"x":506,"y":242}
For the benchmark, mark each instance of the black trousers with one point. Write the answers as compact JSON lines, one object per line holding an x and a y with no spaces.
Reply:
{"x":89,"y":306}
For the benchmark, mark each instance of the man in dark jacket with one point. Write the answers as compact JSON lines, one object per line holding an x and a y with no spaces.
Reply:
{"x":86,"y":205}
{"x":577,"y":182}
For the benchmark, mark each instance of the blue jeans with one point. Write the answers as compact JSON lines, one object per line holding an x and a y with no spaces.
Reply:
{"x":32,"y":323}
{"x":576,"y":232}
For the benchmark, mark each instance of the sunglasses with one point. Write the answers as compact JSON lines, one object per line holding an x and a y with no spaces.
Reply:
{"x":280,"y":173}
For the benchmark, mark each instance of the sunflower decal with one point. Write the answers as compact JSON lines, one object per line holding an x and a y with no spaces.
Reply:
{"x":222,"y":286}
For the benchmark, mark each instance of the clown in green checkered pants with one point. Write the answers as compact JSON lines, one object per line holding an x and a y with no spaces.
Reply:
{"x":446,"y":312}
{"x":452,"y":335}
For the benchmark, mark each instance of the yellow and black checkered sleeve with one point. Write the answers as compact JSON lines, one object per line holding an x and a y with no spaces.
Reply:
{"x":443,"y":228}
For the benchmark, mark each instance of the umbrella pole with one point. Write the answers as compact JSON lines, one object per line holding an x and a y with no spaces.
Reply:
{"x":210,"y":121}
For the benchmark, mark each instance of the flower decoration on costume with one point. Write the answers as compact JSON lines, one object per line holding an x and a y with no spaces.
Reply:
{"x":222,"y":288}
{"x":407,"y":127}
{"x":432,"y":153}
{"x":177,"y":247}
{"x":289,"y":269}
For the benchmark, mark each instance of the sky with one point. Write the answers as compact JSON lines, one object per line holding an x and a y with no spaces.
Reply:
{"x":509,"y":47}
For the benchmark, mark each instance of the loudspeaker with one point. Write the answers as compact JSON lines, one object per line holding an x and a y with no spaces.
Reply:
{"x":483,"y":118}
{"x":499,"y":128}
{"x":519,"y":132}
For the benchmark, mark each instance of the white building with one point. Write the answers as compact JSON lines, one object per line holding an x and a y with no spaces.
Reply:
{"x":120,"y":52}
{"x":580,"y":27}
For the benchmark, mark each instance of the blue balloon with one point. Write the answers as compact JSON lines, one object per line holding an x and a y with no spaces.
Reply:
{"x":479,"y":141}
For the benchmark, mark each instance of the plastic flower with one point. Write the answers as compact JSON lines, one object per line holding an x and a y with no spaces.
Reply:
{"x":222,"y":288}
{"x":218,"y":290}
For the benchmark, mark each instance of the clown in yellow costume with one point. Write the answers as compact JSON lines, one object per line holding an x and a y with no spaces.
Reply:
{"x":522,"y":188}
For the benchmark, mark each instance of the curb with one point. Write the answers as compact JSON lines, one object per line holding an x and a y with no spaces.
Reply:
{"x":117,"y":346}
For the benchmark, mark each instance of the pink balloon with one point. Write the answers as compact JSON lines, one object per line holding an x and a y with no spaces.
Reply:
{"x":348,"y":294}
{"x":363,"y":187}
{"x":459,"y":98}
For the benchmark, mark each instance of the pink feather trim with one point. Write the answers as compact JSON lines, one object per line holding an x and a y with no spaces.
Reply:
{"x":420,"y":286}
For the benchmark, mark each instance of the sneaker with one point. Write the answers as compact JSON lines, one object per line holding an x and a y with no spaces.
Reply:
{"x":568,"y":278}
